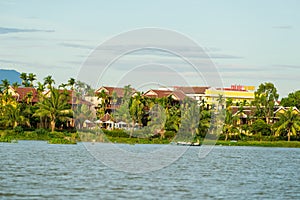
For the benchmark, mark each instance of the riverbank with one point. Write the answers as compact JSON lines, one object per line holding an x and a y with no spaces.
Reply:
{"x":73,"y":138}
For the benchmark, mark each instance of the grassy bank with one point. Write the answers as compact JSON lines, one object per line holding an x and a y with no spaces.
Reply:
{"x":291,"y":144}
{"x":118,"y":136}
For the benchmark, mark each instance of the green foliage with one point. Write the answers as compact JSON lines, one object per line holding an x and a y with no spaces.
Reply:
{"x":116,"y":133}
{"x":55,"y":107}
{"x":289,"y":122}
{"x":18,"y":130}
{"x":260,"y":127}
{"x":60,"y":141}
{"x":41,"y":131}
{"x":292,"y":100}
{"x":265,"y":98}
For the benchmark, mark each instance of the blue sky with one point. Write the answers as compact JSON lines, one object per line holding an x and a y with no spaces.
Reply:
{"x":250,"y":42}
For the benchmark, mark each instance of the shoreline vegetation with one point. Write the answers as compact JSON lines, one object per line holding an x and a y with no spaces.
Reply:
{"x":11,"y":136}
{"x":74,"y":112}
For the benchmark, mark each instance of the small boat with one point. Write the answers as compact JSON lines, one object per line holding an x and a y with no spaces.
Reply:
{"x":181,"y":143}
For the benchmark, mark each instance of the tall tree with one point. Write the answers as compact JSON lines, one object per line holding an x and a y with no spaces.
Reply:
{"x":293,"y":99}
{"x":4,"y":86}
{"x":136,"y":109}
{"x":15,"y":85}
{"x":54,"y":107}
{"x":289,"y":121}
{"x":13,"y":116}
{"x":48,"y":80}
{"x":24,"y":78}
{"x":71,"y":83}
{"x":31,"y":78}
{"x":264,"y":100}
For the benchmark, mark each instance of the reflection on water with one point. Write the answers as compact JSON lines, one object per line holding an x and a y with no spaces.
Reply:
{"x":37,"y":170}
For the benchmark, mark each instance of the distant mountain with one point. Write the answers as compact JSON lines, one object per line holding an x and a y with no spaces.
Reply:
{"x":11,"y":75}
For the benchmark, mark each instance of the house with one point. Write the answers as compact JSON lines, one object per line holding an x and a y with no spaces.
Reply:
{"x":195,"y":92}
{"x":24,"y":94}
{"x":157,"y":93}
{"x":114,"y":97}
{"x":237,"y":93}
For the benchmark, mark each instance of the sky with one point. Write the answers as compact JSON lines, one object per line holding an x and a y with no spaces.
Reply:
{"x":247,"y":42}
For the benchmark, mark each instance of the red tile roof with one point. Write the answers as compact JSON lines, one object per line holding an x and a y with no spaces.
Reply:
{"x":111,"y":90}
{"x":157,"y":93}
{"x":192,"y":90}
{"x":179,"y":95}
{"x":22,"y":92}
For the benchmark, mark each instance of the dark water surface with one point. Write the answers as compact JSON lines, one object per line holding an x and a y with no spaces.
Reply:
{"x":37,"y":170}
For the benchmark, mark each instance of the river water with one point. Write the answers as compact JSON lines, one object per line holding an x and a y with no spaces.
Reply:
{"x":37,"y":170}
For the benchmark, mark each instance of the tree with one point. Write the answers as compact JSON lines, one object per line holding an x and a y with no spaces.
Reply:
{"x":40,"y":87}
{"x":49,"y":81}
{"x":71,"y":83}
{"x":103,"y":96}
{"x":31,"y":77}
{"x":54,"y":107}
{"x":136,"y":109}
{"x":82,"y":113}
{"x":13,"y":116}
{"x":4,"y":86}
{"x":260,"y":127}
{"x":264,"y":100}
{"x":289,"y":121}
{"x":190,"y":117}
{"x":15,"y":85}
{"x":229,"y":122}
{"x":24,"y":78}
{"x":293,"y":99}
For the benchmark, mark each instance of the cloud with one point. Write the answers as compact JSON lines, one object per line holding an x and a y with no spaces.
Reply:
{"x":283,"y":27}
{"x":5,"y":30}
{"x":79,"y":46}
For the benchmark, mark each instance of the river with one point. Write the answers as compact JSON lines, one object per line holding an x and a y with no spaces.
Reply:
{"x":37,"y":170}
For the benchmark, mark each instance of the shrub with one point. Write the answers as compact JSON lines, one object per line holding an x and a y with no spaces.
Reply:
{"x":60,"y":141}
{"x":41,"y":131}
{"x":18,"y":130}
{"x":260,"y":127}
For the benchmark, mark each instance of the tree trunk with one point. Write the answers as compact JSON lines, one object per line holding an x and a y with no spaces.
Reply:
{"x":15,"y":124}
{"x":226,"y":136}
{"x":289,"y":136}
{"x":52,"y":123}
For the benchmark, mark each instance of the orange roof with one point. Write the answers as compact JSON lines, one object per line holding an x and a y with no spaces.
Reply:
{"x":192,"y":90}
{"x":179,"y":95}
{"x":157,"y":93}
{"x":111,"y":90}
{"x":22,"y":92}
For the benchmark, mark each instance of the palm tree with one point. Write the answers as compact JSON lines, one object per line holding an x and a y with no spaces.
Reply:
{"x":136,"y":109}
{"x":4,"y":86}
{"x":229,"y":121}
{"x":63,"y":85}
{"x":13,"y":116}
{"x":24,"y":78}
{"x":289,"y":121}
{"x":31,"y":78}
{"x":54,"y":107}
{"x":15,"y":85}
{"x":49,"y":81}
{"x":71,"y":83}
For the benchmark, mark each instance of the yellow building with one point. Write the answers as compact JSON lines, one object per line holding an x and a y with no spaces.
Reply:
{"x":237,"y":93}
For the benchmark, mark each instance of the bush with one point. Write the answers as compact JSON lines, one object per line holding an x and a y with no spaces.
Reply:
{"x":116,"y":133}
{"x":169,"y":134}
{"x":41,"y":131}
{"x":18,"y":130}
{"x":260,"y":127}
{"x":61,"y":141}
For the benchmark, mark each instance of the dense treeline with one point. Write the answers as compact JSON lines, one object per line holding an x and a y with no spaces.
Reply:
{"x":162,"y":117}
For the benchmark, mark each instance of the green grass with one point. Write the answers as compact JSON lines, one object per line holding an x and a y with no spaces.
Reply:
{"x":291,"y":144}
{"x":116,"y":137}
